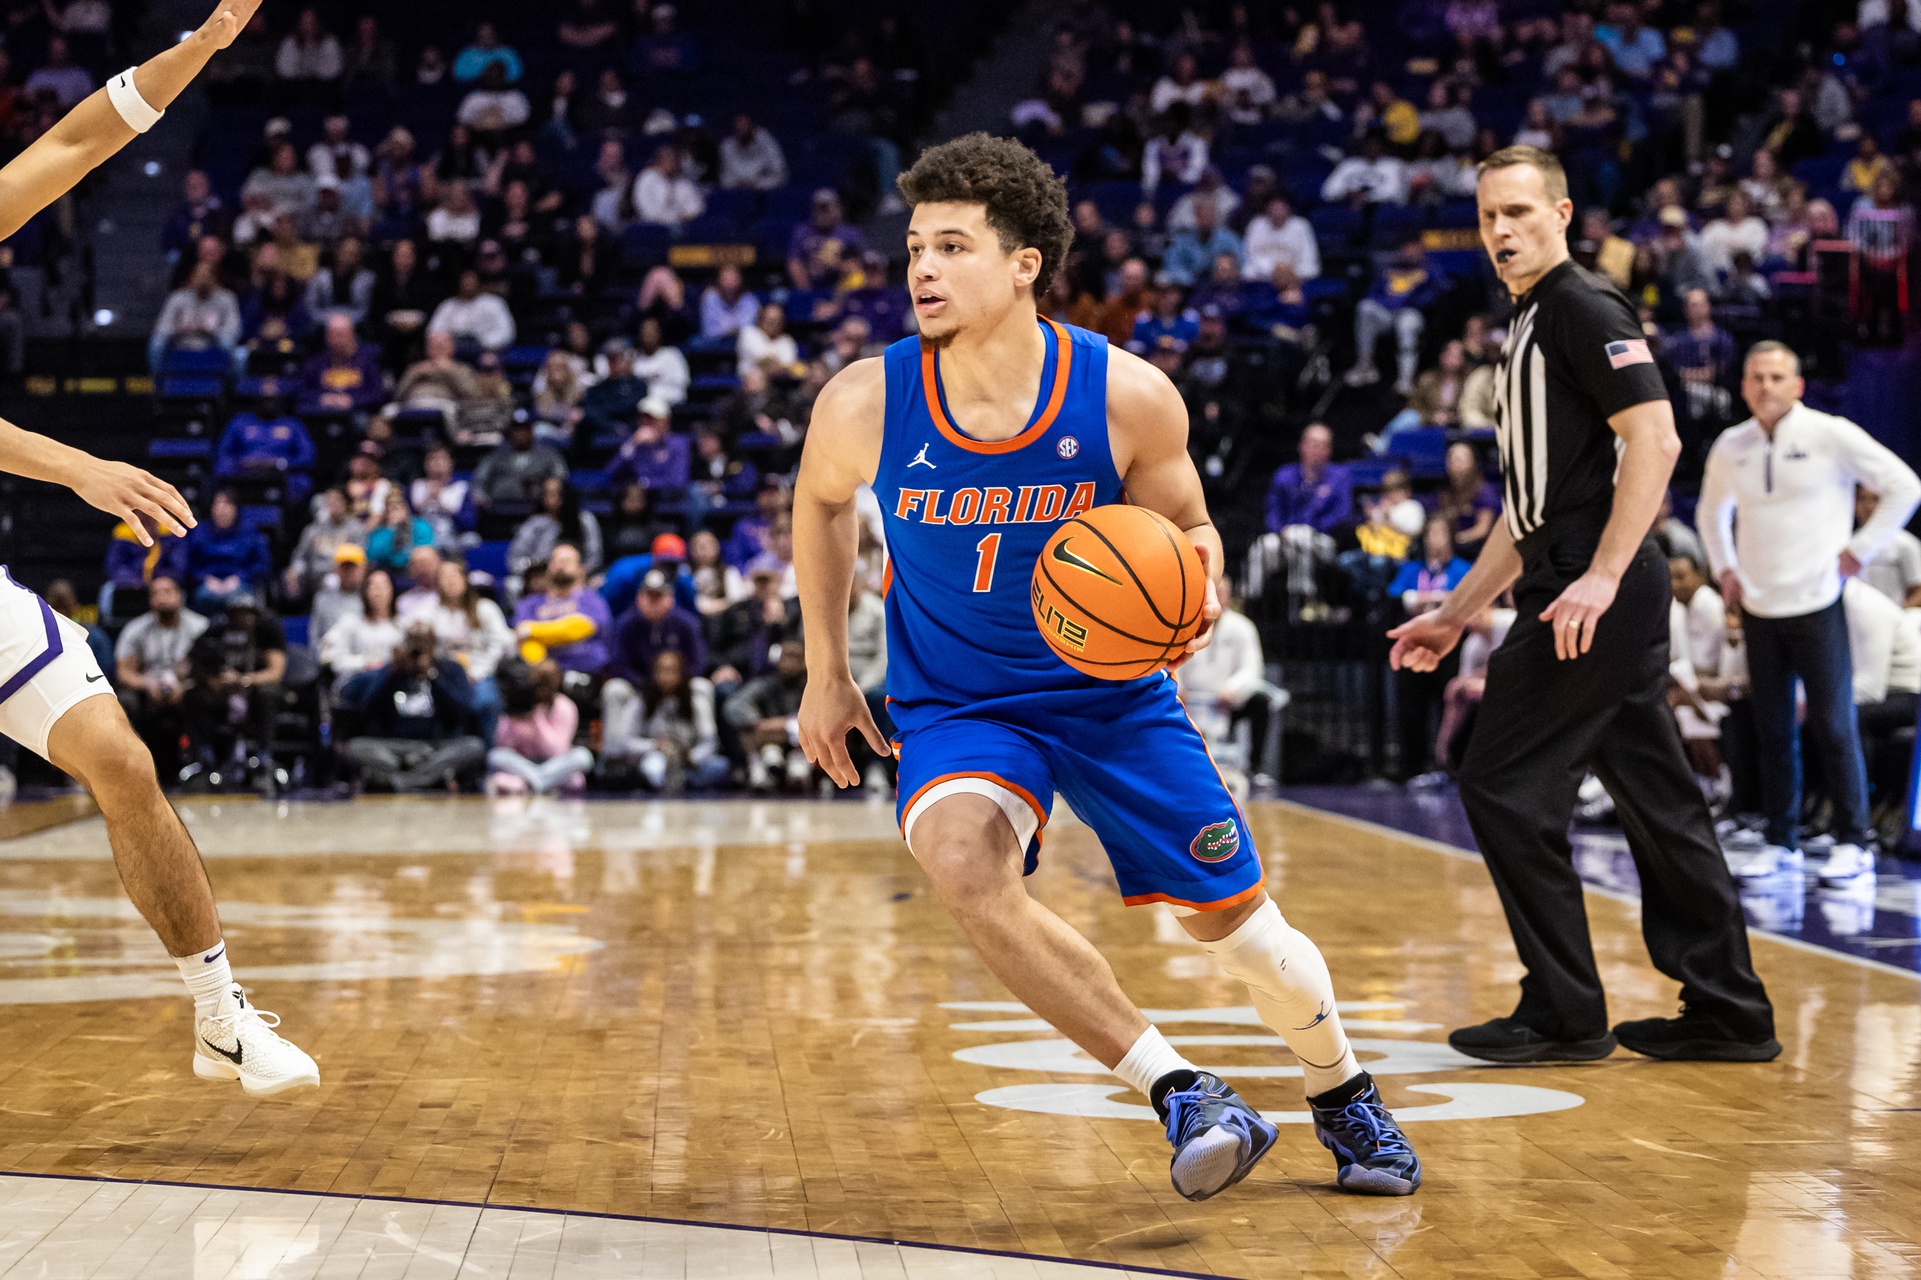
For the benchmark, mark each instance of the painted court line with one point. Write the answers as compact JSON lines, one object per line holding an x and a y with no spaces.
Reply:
{"x":484,"y":1207}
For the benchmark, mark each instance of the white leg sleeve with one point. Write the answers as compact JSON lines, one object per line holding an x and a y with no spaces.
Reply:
{"x":1287,"y":978}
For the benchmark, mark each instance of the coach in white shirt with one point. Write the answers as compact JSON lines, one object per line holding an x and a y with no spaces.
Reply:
{"x":1777,"y":516}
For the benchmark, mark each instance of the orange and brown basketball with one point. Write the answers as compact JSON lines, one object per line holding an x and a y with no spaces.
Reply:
{"x":1118,"y":592}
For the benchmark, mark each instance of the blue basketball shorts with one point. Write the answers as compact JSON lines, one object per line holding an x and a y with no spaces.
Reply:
{"x":1128,"y":760}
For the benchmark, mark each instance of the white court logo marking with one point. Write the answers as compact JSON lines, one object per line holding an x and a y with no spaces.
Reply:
{"x":1464,"y":1100}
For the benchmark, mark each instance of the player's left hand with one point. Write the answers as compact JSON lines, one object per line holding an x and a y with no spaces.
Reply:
{"x":145,"y":502}
{"x":1849,"y":565}
{"x":1210,"y":610}
{"x":1577,"y":611}
{"x":228,"y":20}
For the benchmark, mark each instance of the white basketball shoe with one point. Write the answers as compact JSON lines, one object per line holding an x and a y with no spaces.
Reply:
{"x":1847,"y":864}
{"x":238,"y":1042}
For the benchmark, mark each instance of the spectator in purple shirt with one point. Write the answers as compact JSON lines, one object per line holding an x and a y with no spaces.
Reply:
{"x":345,"y":376}
{"x":653,"y":456}
{"x":727,"y":305}
{"x":1702,"y":354}
{"x":68,"y":82}
{"x":1307,"y":504}
{"x":1315,"y":492}
{"x":1468,"y":499}
{"x":226,"y":557}
{"x":653,"y":624}
{"x":567,"y":617}
{"x":804,"y":262}
{"x":267,"y":444}
{"x":750,"y":535}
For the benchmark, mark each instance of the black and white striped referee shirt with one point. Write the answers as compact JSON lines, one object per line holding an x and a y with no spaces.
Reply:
{"x":1575,"y":356}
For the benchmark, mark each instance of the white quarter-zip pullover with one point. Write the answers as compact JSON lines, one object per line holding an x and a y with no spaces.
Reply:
{"x":1780,"y":510}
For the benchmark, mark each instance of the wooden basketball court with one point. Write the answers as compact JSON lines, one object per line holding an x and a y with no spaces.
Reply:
{"x":742,"y":1039}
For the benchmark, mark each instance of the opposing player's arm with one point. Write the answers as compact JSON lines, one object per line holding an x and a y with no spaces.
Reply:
{"x":144,"y":501}
{"x":1147,"y":427}
{"x":842,"y":453}
{"x":94,"y":129}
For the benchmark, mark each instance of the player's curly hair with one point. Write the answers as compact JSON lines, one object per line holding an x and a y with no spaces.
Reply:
{"x":1026,"y":200}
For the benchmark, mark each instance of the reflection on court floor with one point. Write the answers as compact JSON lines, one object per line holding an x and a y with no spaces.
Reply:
{"x":86,"y":1228}
{"x":738,"y":1019}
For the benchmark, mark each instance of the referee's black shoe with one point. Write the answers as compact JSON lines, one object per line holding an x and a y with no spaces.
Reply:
{"x":1509,"y":1040}
{"x":1693,"y":1037}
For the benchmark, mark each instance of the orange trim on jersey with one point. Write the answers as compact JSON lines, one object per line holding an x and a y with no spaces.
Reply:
{"x":886,"y":577}
{"x":1209,"y":753}
{"x":1040,"y":814}
{"x":1142,"y":899}
{"x":930,"y":385}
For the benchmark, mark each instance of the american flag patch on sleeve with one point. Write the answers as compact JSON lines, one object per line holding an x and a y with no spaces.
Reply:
{"x":1631,"y":351}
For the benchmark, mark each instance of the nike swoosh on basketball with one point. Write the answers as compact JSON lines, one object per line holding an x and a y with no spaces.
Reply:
{"x":233,"y":1055}
{"x":1062,"y":554}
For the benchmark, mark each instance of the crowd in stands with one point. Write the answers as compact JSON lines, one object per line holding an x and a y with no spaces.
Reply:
{"x":493,"y":400}
{"x":52,"y":55}
{"x":1274,"y":204}
{"x":509,"y":359}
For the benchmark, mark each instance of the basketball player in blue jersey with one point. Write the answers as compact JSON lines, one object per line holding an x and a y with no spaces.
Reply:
{"x":980,"y":436}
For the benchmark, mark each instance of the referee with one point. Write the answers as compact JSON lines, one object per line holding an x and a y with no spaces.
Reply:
{"x":1587,"y":443}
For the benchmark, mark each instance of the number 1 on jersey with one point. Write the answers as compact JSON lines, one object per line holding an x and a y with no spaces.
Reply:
{"x":984,"y":568}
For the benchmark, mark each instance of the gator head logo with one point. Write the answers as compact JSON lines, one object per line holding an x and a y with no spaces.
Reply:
{"x":1217,"y":842}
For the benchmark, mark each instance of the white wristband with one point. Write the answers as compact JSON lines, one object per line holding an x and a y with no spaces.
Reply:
{"x":127,"y":101}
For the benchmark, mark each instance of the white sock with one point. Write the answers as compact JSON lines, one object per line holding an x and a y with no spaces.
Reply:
{"x":207,"y":975}
{"x":1150,"y":1059}
{"x":1288,"y":980}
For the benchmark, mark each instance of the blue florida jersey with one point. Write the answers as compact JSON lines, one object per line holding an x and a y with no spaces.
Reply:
{"x":980,"y":701}
{"x":966,"y":520}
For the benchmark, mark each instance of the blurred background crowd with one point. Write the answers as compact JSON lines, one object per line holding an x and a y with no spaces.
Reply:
{"x":487,"y":347}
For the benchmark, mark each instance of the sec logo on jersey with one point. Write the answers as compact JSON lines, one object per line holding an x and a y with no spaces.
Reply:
{"x":1068,"y":447}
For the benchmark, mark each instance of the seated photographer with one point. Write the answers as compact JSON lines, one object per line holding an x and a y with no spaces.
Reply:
{"x":411,"y":725}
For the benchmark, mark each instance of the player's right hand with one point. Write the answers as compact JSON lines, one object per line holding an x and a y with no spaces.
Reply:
{"x":1730,"y":588}
{"x":828,"y":710}
{"x":145,"y":502}
{"x":229,"y":19}
{"x":1421,"y":642}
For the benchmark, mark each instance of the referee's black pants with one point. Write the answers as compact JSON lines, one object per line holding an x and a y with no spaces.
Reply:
{"x":1544,"y":723}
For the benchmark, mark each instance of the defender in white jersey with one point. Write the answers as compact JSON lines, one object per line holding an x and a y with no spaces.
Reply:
{"x":54,"y":698}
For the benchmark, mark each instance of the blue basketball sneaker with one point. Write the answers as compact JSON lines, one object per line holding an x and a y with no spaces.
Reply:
{"x":1217,"y":1137}
{"x":1372,"y":1156}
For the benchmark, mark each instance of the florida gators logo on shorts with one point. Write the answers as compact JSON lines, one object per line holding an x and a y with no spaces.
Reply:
{"x":1216,"y":842}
